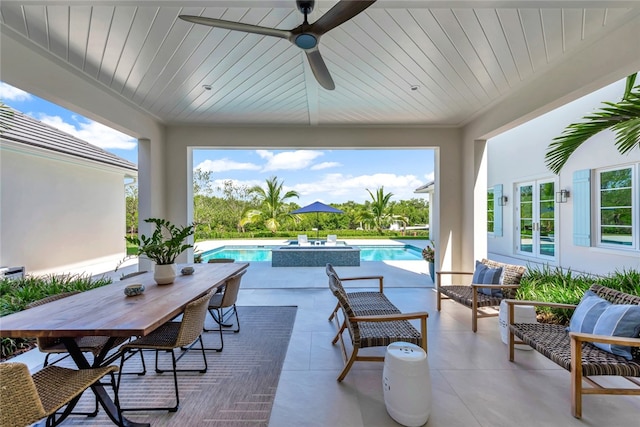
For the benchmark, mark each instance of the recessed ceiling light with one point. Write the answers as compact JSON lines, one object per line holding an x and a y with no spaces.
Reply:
{"x":415,"y":87}
{"x":206,"y":87}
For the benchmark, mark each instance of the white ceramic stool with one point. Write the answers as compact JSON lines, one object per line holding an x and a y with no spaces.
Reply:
{"x":522,"y":314}
{"x":407,"y":384}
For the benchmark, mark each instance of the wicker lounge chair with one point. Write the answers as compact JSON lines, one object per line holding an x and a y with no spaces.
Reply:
{"x":469,"y":295}
{"x":575,"y":352}
{"x":378,"y":330}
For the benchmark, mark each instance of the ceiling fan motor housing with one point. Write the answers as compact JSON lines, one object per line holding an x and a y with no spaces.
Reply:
{"x":305,"y":6}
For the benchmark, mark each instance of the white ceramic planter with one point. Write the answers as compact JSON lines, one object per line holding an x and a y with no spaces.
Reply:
{"x":165,"y":274}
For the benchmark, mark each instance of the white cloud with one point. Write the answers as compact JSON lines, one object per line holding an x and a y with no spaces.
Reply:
{"x":288,"y":160}
{"x":430,"y":177}
{"x":10,"y":93}
{"x":344,"y":187}
{"x":225,"y":164}
{"x":92,"y":132}
{"x":325,"y":165}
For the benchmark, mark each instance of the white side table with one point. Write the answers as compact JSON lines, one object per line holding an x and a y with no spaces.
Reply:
{"x":406,"y":384}
{"x":522,"y":314}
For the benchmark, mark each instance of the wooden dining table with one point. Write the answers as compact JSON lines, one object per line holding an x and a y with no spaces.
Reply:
{"x":106,"y":311}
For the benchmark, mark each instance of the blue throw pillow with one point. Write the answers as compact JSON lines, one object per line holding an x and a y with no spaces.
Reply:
{"x":587,"y":313}
{"x":487,"y":276}
{"x":618,"y":320}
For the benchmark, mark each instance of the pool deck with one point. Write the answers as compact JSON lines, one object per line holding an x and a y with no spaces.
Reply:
{"x":260,"y":275}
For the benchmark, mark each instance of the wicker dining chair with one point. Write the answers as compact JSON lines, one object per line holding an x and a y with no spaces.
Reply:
{"x":25,"y":399}
{"x":227,"y":299}
{"x":168,"y":337}
{"x":50,"y":346}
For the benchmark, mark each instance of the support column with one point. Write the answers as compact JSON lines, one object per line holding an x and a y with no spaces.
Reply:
{"x":150,"y":189}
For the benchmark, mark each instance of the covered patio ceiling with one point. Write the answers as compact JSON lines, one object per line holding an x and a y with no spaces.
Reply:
{"x":478,"y":68}
{"x":400,"y":62}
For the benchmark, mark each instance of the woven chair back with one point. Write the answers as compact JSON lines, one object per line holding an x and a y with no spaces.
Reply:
{"x":335,"y":284}
{"x":45,"y":343}
{"x":511,"y":275}
{"x":20,"y":403}
{"x":193,"y":320}
{"x":615,"y":296}
{"x":231,"y":288}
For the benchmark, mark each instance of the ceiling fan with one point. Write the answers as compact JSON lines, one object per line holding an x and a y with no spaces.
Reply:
{"x":306,"y":36}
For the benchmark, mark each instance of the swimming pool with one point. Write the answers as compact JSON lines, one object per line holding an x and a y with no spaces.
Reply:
{"x":367,"y":253}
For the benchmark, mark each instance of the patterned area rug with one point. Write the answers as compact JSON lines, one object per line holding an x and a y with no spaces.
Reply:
{"x":237,"y":390}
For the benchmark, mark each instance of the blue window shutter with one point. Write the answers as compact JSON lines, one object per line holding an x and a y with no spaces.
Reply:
{"x":582,"y":207}
{"x":497,"y":210}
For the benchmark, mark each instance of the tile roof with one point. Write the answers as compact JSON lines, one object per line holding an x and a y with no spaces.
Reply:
{"x":20,"y":128}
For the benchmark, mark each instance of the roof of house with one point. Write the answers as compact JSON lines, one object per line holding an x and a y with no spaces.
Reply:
{"x":426,"y":188}
{"x":20,"y":128}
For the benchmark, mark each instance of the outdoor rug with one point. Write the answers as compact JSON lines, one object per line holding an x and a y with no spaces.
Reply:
{"x":238,"y":389}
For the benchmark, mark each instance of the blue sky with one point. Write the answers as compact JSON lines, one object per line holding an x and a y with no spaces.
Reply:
{"x":331,"y":176}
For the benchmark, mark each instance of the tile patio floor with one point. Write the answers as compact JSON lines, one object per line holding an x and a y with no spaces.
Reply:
{"x":473,"y":382}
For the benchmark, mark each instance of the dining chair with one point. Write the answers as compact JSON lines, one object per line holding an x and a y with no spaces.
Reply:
{"x":26,"y":398}
{"x":89,"y":344}
{"x":168,"y":337}
{"x":227,"y":299}
{"x":50,"y":346}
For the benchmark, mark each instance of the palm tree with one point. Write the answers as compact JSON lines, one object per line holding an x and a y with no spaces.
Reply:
{"x":623,"y":118}
{"x":378,"y":207}
{"x":272,"y":204}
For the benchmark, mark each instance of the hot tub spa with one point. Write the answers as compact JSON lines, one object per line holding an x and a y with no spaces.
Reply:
{"x":315,"y":256}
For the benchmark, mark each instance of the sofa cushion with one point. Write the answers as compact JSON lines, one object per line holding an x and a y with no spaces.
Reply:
{"x":487,"y":276}
{"x":587,"y":313}
{"x":618,"y":320}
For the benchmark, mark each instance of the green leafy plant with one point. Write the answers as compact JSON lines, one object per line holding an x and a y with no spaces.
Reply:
{"x":567,"y":287}
{"x":429,"y":253}
{"x":165,"y":244}
{"x":16,"y":294}
{"x":623,"y":118}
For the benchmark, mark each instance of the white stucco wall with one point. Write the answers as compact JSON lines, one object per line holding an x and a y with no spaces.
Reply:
{"x":518,"y":155}
{"x":58,"y":213}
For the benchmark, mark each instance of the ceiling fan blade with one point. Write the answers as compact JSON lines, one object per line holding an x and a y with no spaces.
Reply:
{"x":237,"y":26}
{"x":320,"y":70}
{"x":338,"y":14}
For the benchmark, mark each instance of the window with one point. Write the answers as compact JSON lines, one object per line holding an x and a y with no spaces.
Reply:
{"x":494,"y":211}
{"x":617,"y":215}
{"x":490,"y":210}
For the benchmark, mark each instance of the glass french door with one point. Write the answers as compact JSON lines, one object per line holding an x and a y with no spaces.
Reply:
{"x":536,"y":222}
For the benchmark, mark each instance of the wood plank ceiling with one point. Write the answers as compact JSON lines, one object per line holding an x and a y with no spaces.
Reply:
{"x":461,"y":59}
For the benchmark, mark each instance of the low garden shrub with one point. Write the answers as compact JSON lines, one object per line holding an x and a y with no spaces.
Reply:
{"x":567,"y":287}
{"x":16,"y":294}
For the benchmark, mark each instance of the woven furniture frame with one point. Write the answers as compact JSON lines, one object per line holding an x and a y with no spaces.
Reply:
{"x":363,"y":303}
{"x":25,"y":399}
{"x":89,"y":344}
{"x":470,"y":297}
{"x":574,"y":352}
{"x":220,"y":301}
{"x":168,"y":337}
{"x":372,"y":330}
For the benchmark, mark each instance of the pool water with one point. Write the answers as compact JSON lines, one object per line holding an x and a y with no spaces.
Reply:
{"x":367,"y":253}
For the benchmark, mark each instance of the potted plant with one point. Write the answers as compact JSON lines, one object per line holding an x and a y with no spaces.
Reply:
{"x":163,"y":247}
{"x":429,"y":255}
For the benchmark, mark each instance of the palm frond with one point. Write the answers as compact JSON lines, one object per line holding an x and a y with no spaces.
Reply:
{"x":623,"y":118}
